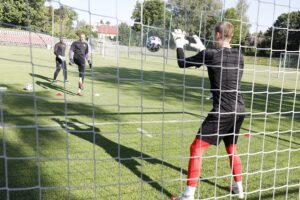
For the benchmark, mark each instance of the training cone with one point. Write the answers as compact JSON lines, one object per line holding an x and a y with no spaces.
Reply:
{"x":58,"y":94}
{"x":248,"y":134}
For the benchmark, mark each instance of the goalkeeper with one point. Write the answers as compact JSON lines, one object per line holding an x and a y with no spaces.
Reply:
{"x":225,"y":69}
{"x":79,"y":52}
{"x":59,"y":51}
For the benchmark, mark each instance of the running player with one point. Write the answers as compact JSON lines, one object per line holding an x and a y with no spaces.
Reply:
{"x":79,"y":52}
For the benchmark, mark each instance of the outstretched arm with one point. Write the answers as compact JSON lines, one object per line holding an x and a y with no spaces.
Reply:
{"x":194,"y":61}
{"x":180,"y":41}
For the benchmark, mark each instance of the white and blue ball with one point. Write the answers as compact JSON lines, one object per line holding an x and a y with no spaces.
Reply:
{"x":28,"y":87}
{"x":153,"y":43}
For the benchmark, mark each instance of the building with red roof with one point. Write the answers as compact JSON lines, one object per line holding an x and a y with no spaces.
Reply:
{"x":106,"y":30}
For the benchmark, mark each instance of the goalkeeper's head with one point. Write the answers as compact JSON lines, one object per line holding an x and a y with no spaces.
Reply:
{"x":62,"y":39}
{"x":81,"y":36}
{"x":223,"y":33}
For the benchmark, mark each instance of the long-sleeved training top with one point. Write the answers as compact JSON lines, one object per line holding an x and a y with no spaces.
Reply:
{"x":225,"y":69}
{"x":60,"y":49}
{"x":80,"y":50}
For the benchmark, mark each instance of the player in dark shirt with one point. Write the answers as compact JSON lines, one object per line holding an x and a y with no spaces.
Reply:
{"x":60,"y":60}
{"x":79,"y":52}
{"x":225,"y":69}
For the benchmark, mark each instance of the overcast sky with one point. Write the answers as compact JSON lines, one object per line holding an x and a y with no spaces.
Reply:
{"x":261,"y":15}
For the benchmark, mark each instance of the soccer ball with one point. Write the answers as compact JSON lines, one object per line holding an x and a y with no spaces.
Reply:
{"x":28,"y":86}
{"x":153,"y":43}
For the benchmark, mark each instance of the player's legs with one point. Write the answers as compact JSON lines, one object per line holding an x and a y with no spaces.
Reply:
{"x":64,"y":66}
{"x":230,"y":142}
{"x":206,"y":136}
{"x":197,"y":149}
{"x":81,"y":70}
{"x":210,"y":133}
{"x":57,"y":70}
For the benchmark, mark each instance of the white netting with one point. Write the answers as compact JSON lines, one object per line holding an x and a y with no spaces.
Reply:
{"x":128,"y":137}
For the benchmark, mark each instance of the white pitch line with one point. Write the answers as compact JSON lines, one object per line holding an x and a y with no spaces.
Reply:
{"x":144,"y":132}
{"x":103,"y":123}
{"x":124,"y":123}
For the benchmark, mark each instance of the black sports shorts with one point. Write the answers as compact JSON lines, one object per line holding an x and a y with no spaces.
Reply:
{"x":221,"y":126}
{"x":81,"y":66}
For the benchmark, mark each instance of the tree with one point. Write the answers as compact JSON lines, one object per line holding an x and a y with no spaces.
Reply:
{"x":283,"y":38}
{"x":124,"y":34}
{"x":231,"y":16}
{"x":1,"y":10}
{"x":192,"y":15}
{"x":242,"y":8}
{"x":153,"y":13}
{"x":240,"y":36}
{"x":63,"y":21}
{"x":20,"y":13}
{"x":83,"y":27}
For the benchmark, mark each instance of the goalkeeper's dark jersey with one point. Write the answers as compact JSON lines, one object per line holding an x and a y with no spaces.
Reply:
{"x":60,"y":49}
{"x":80,"y":50}
{"x":225,"y":70}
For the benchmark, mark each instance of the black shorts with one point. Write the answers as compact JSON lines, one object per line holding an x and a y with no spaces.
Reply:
{"x":221,"y":126}
{"x":81,"y":66}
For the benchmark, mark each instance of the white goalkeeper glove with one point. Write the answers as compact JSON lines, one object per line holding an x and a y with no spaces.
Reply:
{"x":198,"y":45}
{"x":179,"y":38}
{"x":62,"y":58}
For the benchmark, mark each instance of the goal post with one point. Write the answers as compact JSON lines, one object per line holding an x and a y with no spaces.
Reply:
{"x":288,"y":61}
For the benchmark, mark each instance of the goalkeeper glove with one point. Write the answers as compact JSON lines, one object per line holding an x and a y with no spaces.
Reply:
{"x":71,"y":62}
{"x":179,"y":38}
{"x":198,"y":45}
{"x":90,"y":64}
{"x":62,"y":58}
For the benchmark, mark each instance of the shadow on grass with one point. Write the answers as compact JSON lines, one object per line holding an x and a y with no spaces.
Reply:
{"x":277,"y":102}
{"x":25,"y":105}
{"x":19,"y":165}
{"x":273,"y":137}
{"x":277,"y":195}
{"x":41,"y":77}
{"x":127,"y":156}
{"x":179,"y":86}
{"x":47,"y":84}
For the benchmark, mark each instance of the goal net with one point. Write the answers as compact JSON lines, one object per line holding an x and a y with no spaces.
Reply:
{"x":288,"y":61}
{"x":129,"y":135}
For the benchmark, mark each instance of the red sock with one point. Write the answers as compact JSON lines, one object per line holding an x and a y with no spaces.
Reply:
{"x":235,"y":162}
{"x":197,"y":149}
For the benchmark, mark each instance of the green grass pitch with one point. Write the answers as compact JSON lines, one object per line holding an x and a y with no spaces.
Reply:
{"x":48,"y":149}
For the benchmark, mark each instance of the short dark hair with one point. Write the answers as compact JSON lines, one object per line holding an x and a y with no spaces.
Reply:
{"x":226,"y":29}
